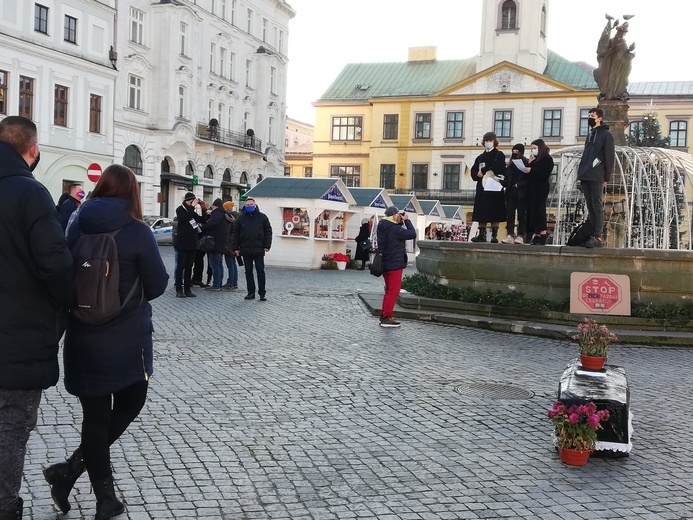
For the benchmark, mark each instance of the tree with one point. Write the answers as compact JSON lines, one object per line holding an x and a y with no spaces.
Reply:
{"x":647,"y":132}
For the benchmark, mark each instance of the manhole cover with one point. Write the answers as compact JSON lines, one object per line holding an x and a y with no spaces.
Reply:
{"x":493,"y":391}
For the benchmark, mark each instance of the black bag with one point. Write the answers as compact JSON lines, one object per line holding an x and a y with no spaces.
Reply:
{"x":239,"y":261}
{"x":376,"y":267}
{"x":366,"y":245}
{"x":581,"y":234}
{"x":206,"y":244}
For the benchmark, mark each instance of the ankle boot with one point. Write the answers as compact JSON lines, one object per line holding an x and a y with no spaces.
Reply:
{"x":481,"y":236}
{"x":494,"y":235}
{"x":250,"y":296}
{"x":180,"y":293}
{"x":189,"y":294}
{"x":62,"y":478}
{"x":14,"y":512}
{"x":107,"y":505}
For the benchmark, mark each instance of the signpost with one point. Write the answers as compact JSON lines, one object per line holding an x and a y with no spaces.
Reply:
{"x":596,"y":293}
{"x":94,"y":172}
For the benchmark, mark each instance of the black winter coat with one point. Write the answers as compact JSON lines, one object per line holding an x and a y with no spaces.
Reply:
{"x":364,"y":234}
{"x":67,"y":208}
{"x":187,"y":237}
{"x":540,"y":170}
{"x":35,"y":278}
{"x":232,"y":222}
{"x":102,"y":359}
{"x":217,"y":227}
{"x":514,"y":178}
{"x":598,"y":145}
{"x":392,"y":239}
{"x":489,"y":206}
{"x":252,"y":233}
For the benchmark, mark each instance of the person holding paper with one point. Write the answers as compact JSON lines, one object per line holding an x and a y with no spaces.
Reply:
{"x":489,"y":206}
{"x":595,"y":170}
{"x":515,"y":183}
{"x":538,"y":173}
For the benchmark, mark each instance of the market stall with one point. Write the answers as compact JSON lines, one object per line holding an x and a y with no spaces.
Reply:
{"x":455,"y":224}
{"x":410,"y":204}
{"x":431,"y":226}
{"x":371,"y":203}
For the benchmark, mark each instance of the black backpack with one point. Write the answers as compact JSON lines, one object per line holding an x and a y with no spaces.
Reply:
{"x":97,"y":276}
{"x":581,"y":234}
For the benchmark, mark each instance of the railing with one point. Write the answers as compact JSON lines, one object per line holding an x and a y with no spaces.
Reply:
{"x":223,"y":136}
{"x":444,"y":196}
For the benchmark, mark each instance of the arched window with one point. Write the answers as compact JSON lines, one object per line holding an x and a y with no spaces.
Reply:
{"x":259,"y":178}
{"x":133,"y":159}
{"x":165,"y":168}
{"x":509,"y":15}
{"x":227,"y":175}
{"x":189,"y":169}
{"x":209,"y":172}
{"x":244,"y":178}
{"x":543,"y":20}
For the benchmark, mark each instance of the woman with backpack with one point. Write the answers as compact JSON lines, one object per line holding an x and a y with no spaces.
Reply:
{"x":108,"y":365}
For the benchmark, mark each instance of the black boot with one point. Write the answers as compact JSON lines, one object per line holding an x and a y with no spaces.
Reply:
{"x":189,"y":293}
{"x":250,"y":296}
{"x":62,"y":478}
{"x":107,"y":505}
{"x":481,"y":236}
{"x":494,"y":235}
{"x":180,"y":293}
{"x":14,"y":512}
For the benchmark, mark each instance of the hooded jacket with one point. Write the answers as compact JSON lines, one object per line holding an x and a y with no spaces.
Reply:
{"x":598,"y":157}
{"x":252,"y":233}
{"x":217,"y":226}
{"x":35,"y":278}
{"x":392,"y":238}
{"x":102,"y":359}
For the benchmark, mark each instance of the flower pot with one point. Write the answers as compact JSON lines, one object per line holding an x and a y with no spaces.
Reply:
{"x":574,"y":457}
{"x":592,"y":362}
{"x":341,"y":265}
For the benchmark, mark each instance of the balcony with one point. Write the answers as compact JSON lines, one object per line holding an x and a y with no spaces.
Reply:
{"x":444,"y":196}
{"x":228,"y":137}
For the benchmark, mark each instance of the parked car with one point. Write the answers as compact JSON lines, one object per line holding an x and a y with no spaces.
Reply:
{"x":162,"y":228}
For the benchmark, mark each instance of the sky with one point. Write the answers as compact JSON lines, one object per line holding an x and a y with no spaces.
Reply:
{"x":325,"y":35}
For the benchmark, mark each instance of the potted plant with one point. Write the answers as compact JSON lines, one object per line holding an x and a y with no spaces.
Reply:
{"x":594,"y":340}
{"x":341,"y":259}
{"x":328,"y":263}
{"x":575,"y":430}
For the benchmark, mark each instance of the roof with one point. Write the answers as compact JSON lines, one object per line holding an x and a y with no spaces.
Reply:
{"x":366,"y":196}
{"x":408,"y":203}
{"x":451,"y":210}
{"x":301,"y":188}
{"x":661,"y":88}
{"x":429,"y":205}
{"x":576,"y":74}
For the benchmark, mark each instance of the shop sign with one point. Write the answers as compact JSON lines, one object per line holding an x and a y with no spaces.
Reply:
{"x":379,"y":202}
{"x":435,"y":212}
{"x":409,"y":208}
{"x":334,"y":194}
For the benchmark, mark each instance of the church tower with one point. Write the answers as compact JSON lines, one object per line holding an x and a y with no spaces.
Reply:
{"x":514,"y":31}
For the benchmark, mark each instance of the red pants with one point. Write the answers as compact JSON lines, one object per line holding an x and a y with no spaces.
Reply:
{"x":393,"y":283}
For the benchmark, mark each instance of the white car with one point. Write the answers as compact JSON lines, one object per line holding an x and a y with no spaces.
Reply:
{"x":162,"y":228}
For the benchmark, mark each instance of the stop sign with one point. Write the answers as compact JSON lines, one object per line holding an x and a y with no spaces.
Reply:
{"x":94,"y":172}
{"x":600,"y":292}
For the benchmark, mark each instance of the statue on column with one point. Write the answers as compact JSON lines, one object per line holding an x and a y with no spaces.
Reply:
{"x":614,"y":57}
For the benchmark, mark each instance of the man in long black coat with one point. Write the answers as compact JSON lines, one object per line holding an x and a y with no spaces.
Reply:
{"x":186,"y":244}
{"x":251,"y":239}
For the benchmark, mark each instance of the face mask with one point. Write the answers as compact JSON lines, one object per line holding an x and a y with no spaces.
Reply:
{"x":35,"y":163}
{"x":591,"y":122}
{"x":249,"y":209}
{"x":516,"y":153}
{"x":488,"y":145}
{"x":534,"y":152}
{"x":80,"y":195}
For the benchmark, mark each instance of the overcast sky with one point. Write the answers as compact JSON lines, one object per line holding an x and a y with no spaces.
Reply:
{"x":325,"y":35}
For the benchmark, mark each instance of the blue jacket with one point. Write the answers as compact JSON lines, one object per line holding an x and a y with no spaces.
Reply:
{"x":102,"y":359}
{"x":392,"y":240}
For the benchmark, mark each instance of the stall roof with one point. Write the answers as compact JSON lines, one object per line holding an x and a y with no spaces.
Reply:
{"x":301,"y":188}
{"x":371,"y":197}
{"x":452,"y":211}
{"x":432,"y":208}
{"x":408,"y":203}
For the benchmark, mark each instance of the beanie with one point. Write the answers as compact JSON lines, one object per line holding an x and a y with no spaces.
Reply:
{"x":520,"y":147}
{"x":392,"y":210}
{"x":217,"y":203}
{"x":228,"y":205}
{"x":190,"y":196}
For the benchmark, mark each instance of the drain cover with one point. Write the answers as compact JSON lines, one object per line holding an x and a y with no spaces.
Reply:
{"x":493,"y":391}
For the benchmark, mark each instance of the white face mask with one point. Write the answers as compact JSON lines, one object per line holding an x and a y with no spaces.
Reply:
{"x":488,"y":145}
{"x":534,"y":152}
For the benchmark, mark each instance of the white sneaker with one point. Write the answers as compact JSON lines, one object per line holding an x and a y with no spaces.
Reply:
{"x":519,"y":240}
{"x":508,"y":239}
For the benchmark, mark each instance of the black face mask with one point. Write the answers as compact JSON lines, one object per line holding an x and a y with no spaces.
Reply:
{"x":35,"y":163}
{"x":591,"y":122}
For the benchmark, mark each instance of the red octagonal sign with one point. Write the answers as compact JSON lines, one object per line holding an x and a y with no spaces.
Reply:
{"x":600,"y":293}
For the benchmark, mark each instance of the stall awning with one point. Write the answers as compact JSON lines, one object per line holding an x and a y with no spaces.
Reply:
{"x":178,"y":180}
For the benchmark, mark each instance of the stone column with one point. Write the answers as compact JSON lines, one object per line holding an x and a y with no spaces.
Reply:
{"x":616,"y":116}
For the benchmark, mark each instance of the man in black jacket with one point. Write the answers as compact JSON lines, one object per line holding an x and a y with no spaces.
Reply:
{"x":35,"y":283}
{"x":251,"y":239}
{"x":595,"y":170}
{"x":186,"y":243}
{"x":71,"y":204}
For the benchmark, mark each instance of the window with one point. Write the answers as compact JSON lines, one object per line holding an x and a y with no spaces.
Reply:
{"x":135,"y":92}
{"x":40,"y":18}
{"x":133,"y":159}
{"x":222,"y":62}
{"x":230,"y":125}
{"x":181,"y":101}
{"x":70,"y":29}
{"x":270,"y":130}
{"x":634,"y":133}
{"x":347,"y":128}
{"x":210,"y":108}
{"x":3,"y":92}
{"x":232,"y":67}
{"x":451,"y":176}
{"x":265,"y":23}
{"x":287,"y":171}
{"x":350,"y":175}
{"x":183,"y":38}
{"x":419,"y":176}
{"x":220,"y":111}
{"x":677,"y":134}
{"x":95,"y":114}
{"x":136,"y":25}
{"x":207,"y":193}
{"x":502,"y":122}
{"x":509,"y":15}
{"x":233,"y":11}
{"x":249,"y":26}
{"x":280,"y":43}
{"x":308,"y":172}
{"x":223,"y":9}
{"x":212,"y":57}
{"x":422,"y":126}
{"x":189,"y":169}
{"x":273,"y":80}
{"x":246,"y":118}
{"x":543,"y":21}
{"x":584,"y":127}
{"x":552,"y":123}
{"x":26,"y":97}
{"x":248,"y":67}
{"x":209,"y":172}
{"x":454,"y":125}
{"x":387,"y":176}
{"x":390,"y":126}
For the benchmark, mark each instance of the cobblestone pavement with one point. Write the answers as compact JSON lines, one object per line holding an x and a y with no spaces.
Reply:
{"x":301,"y":407}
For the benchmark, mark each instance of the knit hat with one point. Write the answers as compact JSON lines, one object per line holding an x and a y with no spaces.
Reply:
{"x":520,"y":147}
{"x":490,"y":136}
{"x":391,"y":211}
{"x":228,"y":205}
{"x":190,"y":196}
{"x":364,"y":221}
{"x":217,"y":203}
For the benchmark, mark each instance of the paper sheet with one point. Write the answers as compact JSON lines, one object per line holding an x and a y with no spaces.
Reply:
{"x":491,"y":184}
{"x":519,"y":165}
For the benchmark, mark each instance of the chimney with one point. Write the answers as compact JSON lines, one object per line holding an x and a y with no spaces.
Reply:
{"x":422,"y":54}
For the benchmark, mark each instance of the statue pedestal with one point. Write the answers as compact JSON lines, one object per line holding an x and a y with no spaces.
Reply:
{"x":616,"y":116}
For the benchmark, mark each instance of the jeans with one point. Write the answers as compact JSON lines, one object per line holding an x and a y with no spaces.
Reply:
{"x":259,"y":261}
{"x":103,"y":421}
{"x":216,"y":262}
{"x":232,"y":266}
{"x":393,"y":284}
{"x":18,"y":415}
{"x":592,"y":190}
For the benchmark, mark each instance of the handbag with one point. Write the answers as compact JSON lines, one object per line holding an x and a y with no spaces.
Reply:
{"x":367,"y":245}
{"x":206,"y":244}
{"x":376,"y":267}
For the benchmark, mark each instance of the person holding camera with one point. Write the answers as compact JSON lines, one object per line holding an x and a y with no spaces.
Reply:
{"x":188,"y":233}
{"x":393,"y":232}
